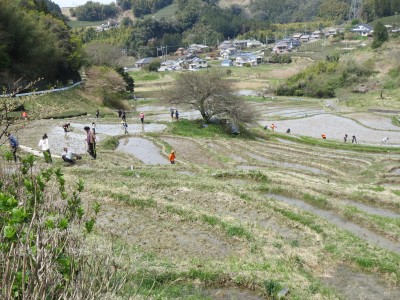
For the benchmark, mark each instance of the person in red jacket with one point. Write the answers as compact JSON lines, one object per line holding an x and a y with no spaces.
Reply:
{"x":172,"y":157}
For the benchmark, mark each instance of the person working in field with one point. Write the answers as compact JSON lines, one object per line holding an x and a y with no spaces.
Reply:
{"x":172,"y":157}
{"x":323,"y":136}
{"x":69,"y":157}
{"x":273,"y":127}
{"x":66,"y":127}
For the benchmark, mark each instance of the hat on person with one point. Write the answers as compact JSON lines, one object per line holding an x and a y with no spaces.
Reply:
{"x":86,"y":128}
{"x":172,"y":151}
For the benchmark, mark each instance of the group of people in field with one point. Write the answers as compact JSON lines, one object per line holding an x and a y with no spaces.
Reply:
{"x":384,"y":140}
{"x":68,"y":155}
{"x":174,"y":114}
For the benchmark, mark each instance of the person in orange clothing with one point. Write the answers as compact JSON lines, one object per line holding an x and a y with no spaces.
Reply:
{"x":273,"y":127}
{"x":24,"y":115}
{"x":172,"y":157}
{"x":323,"y":136}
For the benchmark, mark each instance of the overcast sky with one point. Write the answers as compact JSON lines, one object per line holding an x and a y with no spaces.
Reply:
{"x":73,"y":3}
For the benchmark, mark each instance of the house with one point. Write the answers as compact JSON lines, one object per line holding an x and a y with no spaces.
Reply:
{"x":141,"y":63}
{"x":362,"y":29}
{"x":197,"y":63}
{"x":225,"y":45}
{"x":226,"y":63}
{"x":254,"y":43}
{"x":281,"y":47}
{"x":240,"y":44}
{"x":317,"y":34}
{"x":304,"y":38}
{"x":196,"y":48}
{"x":225,"y":54}
{"x":297,"y":36}
{"x":180,"y":51}
{"x":330,"y":31}
{"x":247,"y":58}
{"x":292,"y":43}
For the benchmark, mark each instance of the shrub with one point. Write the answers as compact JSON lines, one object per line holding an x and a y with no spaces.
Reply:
{"x":153,"y":66}
{"x":113,"y":100}
{"x":43,"y":235}
{"x":323,"y":78}
{"x":279,"y":59}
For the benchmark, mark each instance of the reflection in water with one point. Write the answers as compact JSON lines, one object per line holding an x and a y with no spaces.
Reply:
{"x":144,"y":150}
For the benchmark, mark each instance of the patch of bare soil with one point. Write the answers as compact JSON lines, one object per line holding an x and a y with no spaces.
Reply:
{"x":193,"y":152}
{"x":156,"y":232}
{"x":65,"y":11}
{"x":356,"y":285}
{"x":231,"y":293}
{"x":126,"y":14}
{"x":283,"y":73}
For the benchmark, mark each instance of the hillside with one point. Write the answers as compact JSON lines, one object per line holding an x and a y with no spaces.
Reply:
{"x":241,"y":216}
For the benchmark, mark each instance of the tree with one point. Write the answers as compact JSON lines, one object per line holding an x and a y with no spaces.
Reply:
{"x":210,"y":94}
{"x":333,"y":10}
{"x":154,"y":65}
{"x":100,"y":53}
{"x":380,"y":35}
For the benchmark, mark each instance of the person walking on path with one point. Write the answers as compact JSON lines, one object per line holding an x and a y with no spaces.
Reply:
{"x":123,"y":115}
{"x":44,"y":145}
{"x":345,"y":137}
{"x":91,"y":142}
{"x":125,"y":125}
{"x":94,"y":127}
{"x":172,"y":157}
{"x":119,"y":113}
{"x":171,"y":110}
{"x":354,"y":140}
{"x":13,"y":144}
{"x":141,"y":116}
{"x":97,"y":113}
{"x":177,"y":115}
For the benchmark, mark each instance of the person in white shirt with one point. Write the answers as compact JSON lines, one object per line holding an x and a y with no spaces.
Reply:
{"x":69,"y":156}
{"x":44,"y":146}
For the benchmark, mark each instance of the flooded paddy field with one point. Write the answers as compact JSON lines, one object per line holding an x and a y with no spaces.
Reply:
{"x":220,"y":221}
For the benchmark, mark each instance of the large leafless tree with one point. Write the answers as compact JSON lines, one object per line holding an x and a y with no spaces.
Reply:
{"x":210,"y":94}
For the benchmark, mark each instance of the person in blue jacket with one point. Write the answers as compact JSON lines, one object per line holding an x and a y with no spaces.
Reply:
{"x":13,"y":144}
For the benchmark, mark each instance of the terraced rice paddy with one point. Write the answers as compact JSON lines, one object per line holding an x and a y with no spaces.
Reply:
{"x":240,"y":218}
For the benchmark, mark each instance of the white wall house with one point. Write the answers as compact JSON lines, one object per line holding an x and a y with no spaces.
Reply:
{"x":197,"y":63}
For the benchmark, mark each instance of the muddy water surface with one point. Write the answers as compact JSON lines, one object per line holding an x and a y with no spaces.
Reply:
{"x":286,"y":164}
{"x":357,"y":230}
{"x":334,"y":127}
{"x":144,"y":150}
{"x":372,"y":209}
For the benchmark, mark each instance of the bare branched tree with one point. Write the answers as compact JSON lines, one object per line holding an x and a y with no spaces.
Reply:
{"x":9,"y":102}
{"x":210,"y":94}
